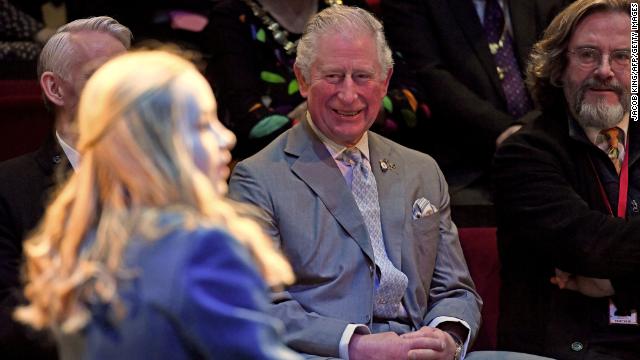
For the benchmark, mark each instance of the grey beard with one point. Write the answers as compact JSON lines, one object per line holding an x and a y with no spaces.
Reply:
{"x":600,"y":116}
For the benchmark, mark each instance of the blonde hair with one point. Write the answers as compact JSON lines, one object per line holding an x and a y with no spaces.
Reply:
{"x":548,"y":59}
{"x":136,"y":163}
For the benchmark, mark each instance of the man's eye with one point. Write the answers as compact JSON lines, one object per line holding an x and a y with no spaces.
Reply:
{"x":621,"y":56}
{"x":588,"y":54}
{"x":363,"y":76}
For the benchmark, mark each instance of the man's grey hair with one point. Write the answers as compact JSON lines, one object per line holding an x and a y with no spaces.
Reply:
{"x":341,"y":20}
{"x":57,"y":53}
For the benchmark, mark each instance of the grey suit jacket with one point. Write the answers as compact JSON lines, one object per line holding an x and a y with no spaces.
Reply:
{"x":309,"y":210}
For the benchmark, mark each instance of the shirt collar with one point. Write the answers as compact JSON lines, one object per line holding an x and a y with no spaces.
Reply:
{"x":71,"y":153}
{"x":592,"y":133}
{"x":336,"y":149}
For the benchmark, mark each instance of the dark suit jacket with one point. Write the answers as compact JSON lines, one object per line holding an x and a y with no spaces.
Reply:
{"x":309,"y":210}
{"x":551,"y":215}
{"x":25,"y":185}
{"x":442,"y":43}
{"x":196,"y":294}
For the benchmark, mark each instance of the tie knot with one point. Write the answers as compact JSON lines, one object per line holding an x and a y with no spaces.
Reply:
{"x":353,"y":156}
{"x":614,"y":136}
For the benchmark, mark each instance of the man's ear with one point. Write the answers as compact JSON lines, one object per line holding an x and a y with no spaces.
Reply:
{"x":302,"y":83}
{"x":50,"y":85}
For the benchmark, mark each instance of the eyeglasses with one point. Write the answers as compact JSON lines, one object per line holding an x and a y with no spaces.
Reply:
{"x":589,"y":58}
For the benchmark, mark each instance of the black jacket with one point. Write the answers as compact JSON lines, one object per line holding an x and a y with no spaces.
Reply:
{"x":551,"y":214}
{"x":25,"y":186}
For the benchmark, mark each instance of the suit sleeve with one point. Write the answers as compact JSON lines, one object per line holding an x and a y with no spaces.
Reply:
{"x":546,"y":215}
{"x":306,"y":332}
{"x":223,"y":302}
{"x":452,"y":292}
{"x":411,"y":33}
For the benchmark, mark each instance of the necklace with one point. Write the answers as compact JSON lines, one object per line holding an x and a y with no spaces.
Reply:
{"x":280,"y":35}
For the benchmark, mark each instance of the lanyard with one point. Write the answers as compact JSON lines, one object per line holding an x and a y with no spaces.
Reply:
{"x":624,"y":186}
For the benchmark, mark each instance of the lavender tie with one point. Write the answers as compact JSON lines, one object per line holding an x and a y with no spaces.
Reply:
{"x":501,"y":46}
{"x":393,"y":282}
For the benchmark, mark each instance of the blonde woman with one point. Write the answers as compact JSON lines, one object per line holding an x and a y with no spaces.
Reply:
{"x":140,"y":255}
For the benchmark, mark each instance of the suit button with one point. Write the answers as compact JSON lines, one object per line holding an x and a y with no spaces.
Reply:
{"x":577,"y":346}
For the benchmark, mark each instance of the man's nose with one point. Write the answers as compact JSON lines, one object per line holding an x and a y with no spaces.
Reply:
{"x":604,"y":70}
{"x":347,"y":92}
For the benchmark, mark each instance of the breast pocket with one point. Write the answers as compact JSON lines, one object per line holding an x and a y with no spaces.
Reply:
{"x":426,"y":235}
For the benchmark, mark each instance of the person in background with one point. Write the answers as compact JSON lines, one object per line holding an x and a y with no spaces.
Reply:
{"x":140,"y":255}
{"x":67,"y":60}
{"x":567,"y":192}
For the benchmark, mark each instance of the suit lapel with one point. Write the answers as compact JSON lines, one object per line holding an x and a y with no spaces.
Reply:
{"x":390,"y":195}
{"x":318,"y":170}
{"x":467,"y":17}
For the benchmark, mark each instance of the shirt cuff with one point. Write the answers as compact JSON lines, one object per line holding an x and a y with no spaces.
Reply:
{"x":348,"y":332}
{"x":440,"y":319}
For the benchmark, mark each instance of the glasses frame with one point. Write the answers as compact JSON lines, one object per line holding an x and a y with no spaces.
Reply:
{"x":589,"y":64}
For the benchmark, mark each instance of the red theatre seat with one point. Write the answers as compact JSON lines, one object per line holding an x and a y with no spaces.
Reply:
{"x":481,"y":252}
{"x":24,"y":121}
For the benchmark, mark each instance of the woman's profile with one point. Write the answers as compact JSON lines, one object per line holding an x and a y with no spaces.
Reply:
{"x":140,"y":255}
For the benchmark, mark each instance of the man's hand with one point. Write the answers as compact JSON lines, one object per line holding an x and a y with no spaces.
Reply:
{"x":587,"y":286}
{"x":444,"y":352}
{"x":426,"y":343}
{"x":508,"y":132}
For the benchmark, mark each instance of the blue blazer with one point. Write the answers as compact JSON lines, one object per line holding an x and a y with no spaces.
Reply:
{"x":195,"y":294}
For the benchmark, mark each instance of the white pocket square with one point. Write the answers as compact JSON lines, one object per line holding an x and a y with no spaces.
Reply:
{"x":422,"y":207}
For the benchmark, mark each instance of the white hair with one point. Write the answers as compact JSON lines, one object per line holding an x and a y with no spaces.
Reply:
{"x":57,"y":53}
{"x":341,"y":20}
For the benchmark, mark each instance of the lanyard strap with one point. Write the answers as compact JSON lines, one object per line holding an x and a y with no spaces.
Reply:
{"x":623,"y":189}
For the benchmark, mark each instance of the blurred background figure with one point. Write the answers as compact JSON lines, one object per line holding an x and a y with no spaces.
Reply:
{"x":468,"y":59}
{"x":22,"y":34}
{"x":140,"y":255}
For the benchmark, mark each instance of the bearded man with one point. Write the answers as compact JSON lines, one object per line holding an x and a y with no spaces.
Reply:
{"x":567,"y":192}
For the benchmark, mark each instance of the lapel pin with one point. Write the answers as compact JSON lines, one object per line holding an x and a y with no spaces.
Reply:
{"x":386,"y":165}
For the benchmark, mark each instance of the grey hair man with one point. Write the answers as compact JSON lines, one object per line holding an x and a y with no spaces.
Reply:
{"x":365,"y":222}
{"x":67,"y":60}
{"x":567,"y":193}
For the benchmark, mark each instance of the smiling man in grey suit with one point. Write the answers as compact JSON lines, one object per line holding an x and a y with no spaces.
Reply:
{"x":364,"y":221}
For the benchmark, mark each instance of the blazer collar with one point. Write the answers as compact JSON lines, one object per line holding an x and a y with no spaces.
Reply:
{"x":315,"y":166}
